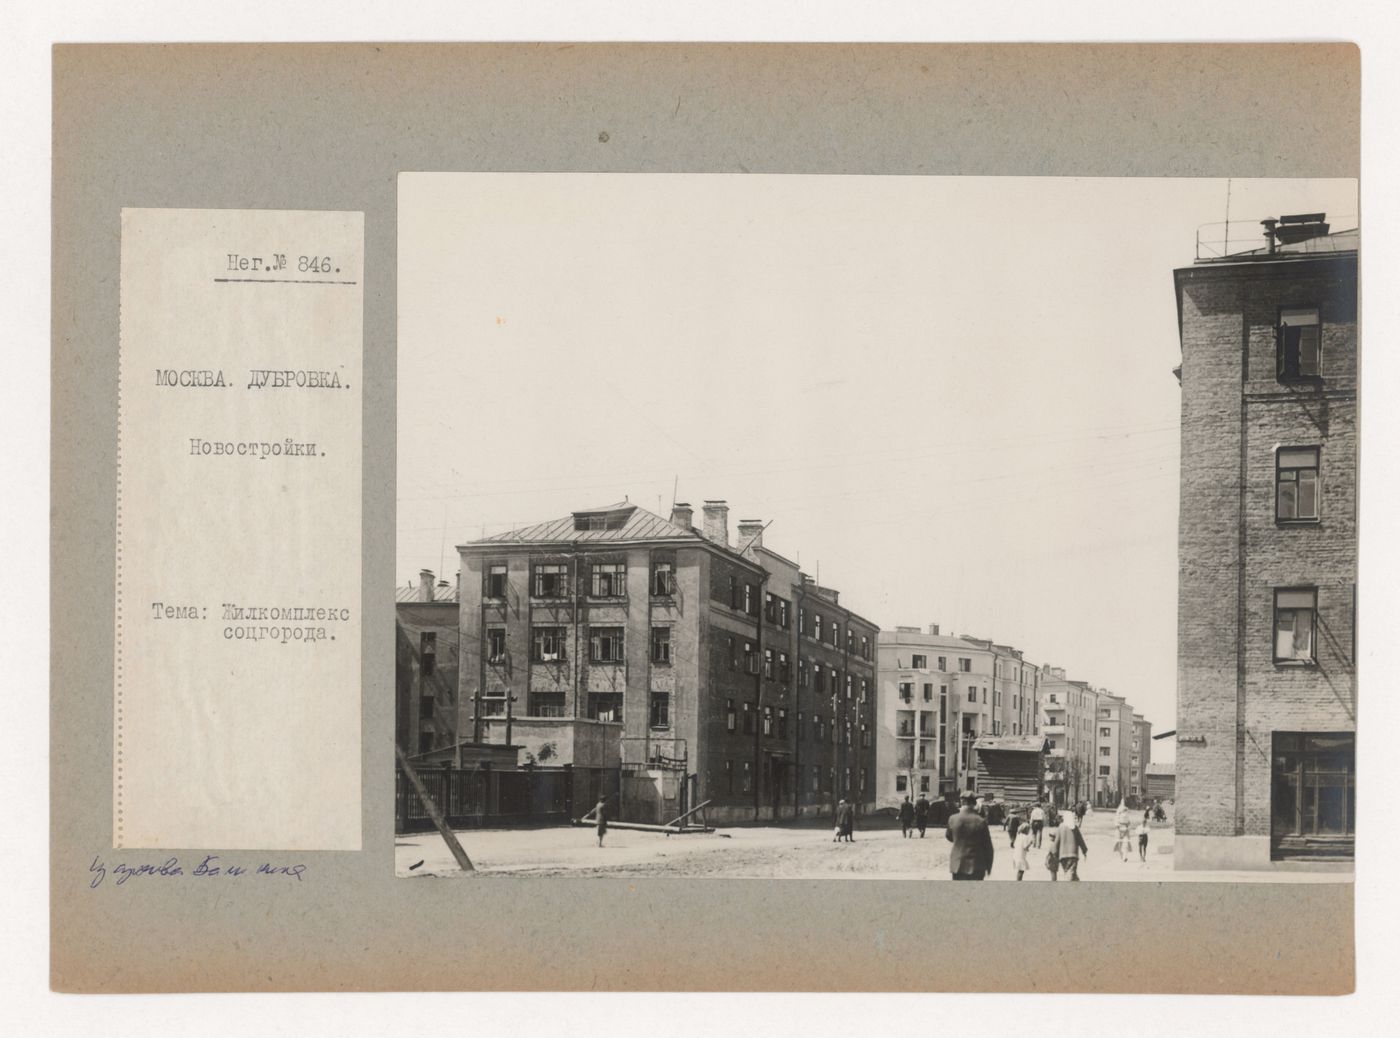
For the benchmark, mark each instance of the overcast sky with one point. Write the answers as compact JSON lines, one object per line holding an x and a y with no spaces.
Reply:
{"x":955,"y":394}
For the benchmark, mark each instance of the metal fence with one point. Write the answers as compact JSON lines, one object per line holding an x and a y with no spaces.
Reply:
{"x":486,"y":797}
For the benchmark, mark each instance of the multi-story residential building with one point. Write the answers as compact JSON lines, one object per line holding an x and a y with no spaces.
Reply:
{"x":1069,"y":715}
{"x":1114,"y":728}
{"x":705,"y":670}
{"x":1266,"y":646}
{"x":938,"y":695}
{"x":1141,"y":757}
{"x":425,"y":671}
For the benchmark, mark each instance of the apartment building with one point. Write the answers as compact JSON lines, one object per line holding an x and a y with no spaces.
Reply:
{"x":1266,"y":667}
{"x":1114,"y":728}
{"x":704,"y":669}
{"x":1141,"y":757}
{"x":1069,"y":715}
{"x":425,"y":665}
{"x":938,"y":694}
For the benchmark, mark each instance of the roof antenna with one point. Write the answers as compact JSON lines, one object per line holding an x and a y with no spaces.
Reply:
{"x":1227,"y":216}
{"x":675,"y":489}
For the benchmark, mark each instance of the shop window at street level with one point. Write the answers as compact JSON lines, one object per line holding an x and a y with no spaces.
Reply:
{"x":1299,"y":337}
{"x":1295,"y":617}
{"x":1296,"y":470}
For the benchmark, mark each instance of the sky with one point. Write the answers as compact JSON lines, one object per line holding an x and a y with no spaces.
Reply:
{"x":954,"y":395}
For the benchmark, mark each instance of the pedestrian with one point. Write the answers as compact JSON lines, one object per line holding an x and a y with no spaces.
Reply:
{"x":845,"y":822}
{"x":906,"y":817}
{"x":1052,"y":853}
{"x":1013,"y":824}
{"x":600,"y":815}
{"x":1080,"y":810}
{"x":921,"y":807}
{"x":1142,"y":831}
{"x":1037,"y":823}
{"x":981,"y":806}
{"x":1020,"y":850}
{"x":1069,"y":844}
{"x":971,"y":856}
{"x":1123,"y":825}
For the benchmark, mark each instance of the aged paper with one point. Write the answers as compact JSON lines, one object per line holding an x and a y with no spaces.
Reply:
{"x":237,"y":685}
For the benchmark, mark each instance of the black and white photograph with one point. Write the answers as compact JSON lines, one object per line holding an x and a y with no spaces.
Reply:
{"x":876,"y":527}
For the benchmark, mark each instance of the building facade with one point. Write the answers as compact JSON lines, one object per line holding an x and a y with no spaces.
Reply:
{"x":1069,"y":715}
{"x":1141,"y":757}
{"x":939,"y":694}
{"x":425,"y":665}
{"x":704,"y":670}
{"x":1114,"y":732}
{"x":1266,"y":675}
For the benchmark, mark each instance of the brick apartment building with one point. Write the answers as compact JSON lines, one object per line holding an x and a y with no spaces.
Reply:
{"x":938,"y":694}
{"x":425,"y":672}
{"x":1266,"y":678}
{"x":704,"y":670}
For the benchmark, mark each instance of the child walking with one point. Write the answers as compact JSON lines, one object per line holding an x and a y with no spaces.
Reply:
{"x":1020,"y":846}
{"x":1142,"y":840}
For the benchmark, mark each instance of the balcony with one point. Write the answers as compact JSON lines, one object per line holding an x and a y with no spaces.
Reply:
{"x":1052,"y":728}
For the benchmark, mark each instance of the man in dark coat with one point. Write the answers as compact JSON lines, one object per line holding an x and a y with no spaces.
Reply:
{"x":906,"y":817}
{"x":921,"y":814}
{"x":971,"y":856}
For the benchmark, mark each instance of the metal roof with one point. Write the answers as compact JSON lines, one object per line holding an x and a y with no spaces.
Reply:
{"x":413,"y":593}
{"x":637,"y":525}
{"x":1338,"y":241}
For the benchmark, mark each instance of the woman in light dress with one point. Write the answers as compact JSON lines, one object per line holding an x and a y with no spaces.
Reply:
{"x":1124,"y":825}
{"x":1021,"y":845}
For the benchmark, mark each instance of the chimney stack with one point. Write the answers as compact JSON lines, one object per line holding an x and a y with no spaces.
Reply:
{"x":425,"y":585}
{"x":1269,"y":226}
{"x":682,"y":515}
{"x":932,"y":628}
{"x":717,"y":522}
{"x":750,"y":534}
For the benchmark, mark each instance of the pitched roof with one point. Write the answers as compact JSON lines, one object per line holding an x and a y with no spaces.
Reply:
{"x":412,"y":593}
{"x":622,"y":521}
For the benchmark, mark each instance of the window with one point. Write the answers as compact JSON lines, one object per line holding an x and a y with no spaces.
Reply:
{"x":729,"y":776}
{"x":661,"y":710}
{"x":661,"y":645}
{"x":663,"y":579}
{"x":817,"y":626}
{"x":748,"y":718}
{"x":427,"y":653}
{"x":1295,"y":475}
{"x":1052,"y":743}
{"x":1299,"y":343}
{"x":972,"y":693}
{"x":767,"y":720}
{"x":496,"y":580}
{"x":864,"y":690}
{"x":605,"y":644}
{"x":801,"y":672}
{"x":551,"y":580}
{"x":864,"y":647}
{"x":495,"y":645}
{"x":920,"y":663}
{"x":818,"y":727}
{"x":848,"y":684}
{"x":750,"y":658}
{"x":733,"y":659}
{"x":605,"y":706}
{"x":1295,"y":611}
{"x":1105,"y":732}
{"x":835,"y":632}
{"x":783,"y":613}
{"x":768,"y":664}
{"x":928,"y":692}
{"x":784,"y":668}
{"x":733,"y":593}
{"x":923,"y":781}
{"x":801,"y":620}
{"x":425,"y":742}
{"x":609,"y":579}
{"x":547,"y":644}
{"x":965,"y":664}
{"x":729,"y":716}
{"x":425,"y":708}
{"x":1104,"y":751}
{"x":901,"y":783}
{"x":748,"y":776}
{"x":1104,"y":770}
{"x":943,"y":663}
{"x":818,"y":680}
{"x":750,"y":600}
{"x":782,"y":723}
{"x":816,"y":779}
{"x":546,"y":704}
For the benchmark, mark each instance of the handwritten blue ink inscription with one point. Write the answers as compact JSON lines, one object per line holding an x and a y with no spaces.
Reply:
{"x":170,"y":867}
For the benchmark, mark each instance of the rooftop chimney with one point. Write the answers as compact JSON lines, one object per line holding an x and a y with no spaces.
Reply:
{"x":750,"y":534}
{"x":932,"y":628}
{"x":425,"y":585}
{"x":717,"y":522}
{"x":682,"y":514}
{"x":1269,"y":226}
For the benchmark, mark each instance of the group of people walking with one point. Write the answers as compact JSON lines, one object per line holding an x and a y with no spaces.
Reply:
{"x":912,"y":814}
{"x":972,"y":854}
